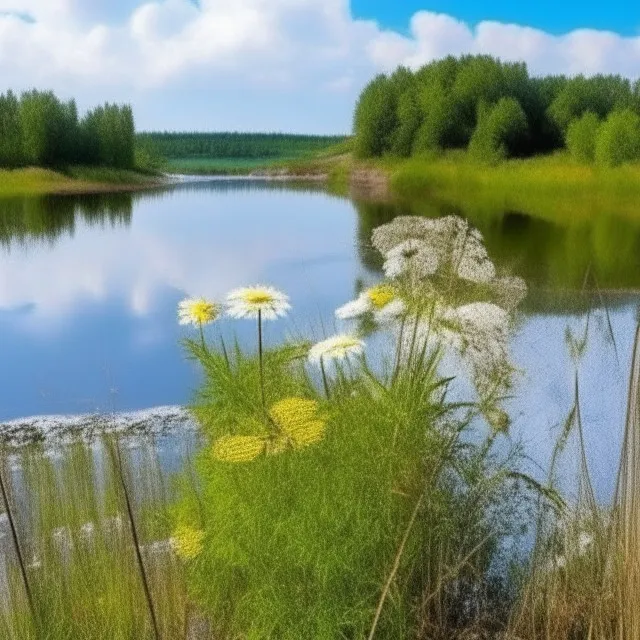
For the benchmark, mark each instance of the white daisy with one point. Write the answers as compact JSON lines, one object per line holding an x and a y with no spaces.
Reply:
{"x":248,"y":302}
{"x":197,"y":311}
{"x":380,"y":300}
{"x":335,"y":348}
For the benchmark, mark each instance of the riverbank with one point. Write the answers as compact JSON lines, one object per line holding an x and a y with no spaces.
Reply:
{"x":38,"y":181}
{"x":554,"y":187}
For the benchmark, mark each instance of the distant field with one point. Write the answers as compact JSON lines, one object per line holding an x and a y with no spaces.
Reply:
{"x":234,"y":152}
{"x":220,"y":165}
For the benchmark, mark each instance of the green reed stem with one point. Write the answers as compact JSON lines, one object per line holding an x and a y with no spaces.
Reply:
{"x":16,"y":544}
{"x":136,"y":542}
{"x":325,"y":382}
{"x":264,"y":402}
{"x":396,"y":368}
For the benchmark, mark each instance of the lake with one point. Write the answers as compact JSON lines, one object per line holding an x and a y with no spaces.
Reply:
{"x":89,"y":287}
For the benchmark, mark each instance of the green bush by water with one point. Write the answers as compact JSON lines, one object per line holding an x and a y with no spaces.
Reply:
{"x":382,"y":514}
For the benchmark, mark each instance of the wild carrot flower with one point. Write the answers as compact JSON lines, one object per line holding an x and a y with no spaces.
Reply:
{"x":249,"y":302}
{"x":197,"y":311}
{"x":399,"y":230}
{"x":336,"y":348}
{"x":187,"y":542}
{"x":414,"y":257}
{"x":382,"y":300}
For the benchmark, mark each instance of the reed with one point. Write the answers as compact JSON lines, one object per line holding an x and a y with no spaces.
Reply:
{"x":75,"y":518}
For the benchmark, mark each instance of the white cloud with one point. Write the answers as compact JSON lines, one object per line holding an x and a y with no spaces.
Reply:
{"x":299,"y":64}
{"x":587,"y":51}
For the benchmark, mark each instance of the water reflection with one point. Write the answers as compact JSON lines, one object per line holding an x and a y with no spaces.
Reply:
{"x":89,"y":287}
{"x":548,"y":254}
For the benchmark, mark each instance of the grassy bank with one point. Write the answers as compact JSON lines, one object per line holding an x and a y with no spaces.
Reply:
{"x":551,"y":187}
{"x":554,"y":187}
{"x":35,"y":180}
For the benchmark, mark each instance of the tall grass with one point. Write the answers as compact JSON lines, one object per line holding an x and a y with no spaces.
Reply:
{"x":75,"y":533}
{"x":554,"y":187}
{"x":584,"y":581}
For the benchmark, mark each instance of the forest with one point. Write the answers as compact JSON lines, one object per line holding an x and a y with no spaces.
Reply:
{"x":497,"y":110}
{"x":234,"y":145}
{"x":38,"y":129}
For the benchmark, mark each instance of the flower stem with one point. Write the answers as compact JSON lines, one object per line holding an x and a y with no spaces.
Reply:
{"x":325,"y":382}
{"x":204,"y":346}
{"x":264,"y":403}
{"x":16,"y":544}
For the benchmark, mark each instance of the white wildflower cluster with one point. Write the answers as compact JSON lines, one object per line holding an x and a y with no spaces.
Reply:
{"x":479,"y":332}
{"x":422,"y":246}
{"x":468,"y":309}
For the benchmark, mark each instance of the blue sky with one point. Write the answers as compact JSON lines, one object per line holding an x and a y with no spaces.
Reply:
{"x":286,"y":65}
{"x":556,"y":17}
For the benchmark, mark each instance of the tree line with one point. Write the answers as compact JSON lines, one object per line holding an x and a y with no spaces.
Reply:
{"x":497,"y":110}
{"x":39,"y":129}
{"x":234,"y":145}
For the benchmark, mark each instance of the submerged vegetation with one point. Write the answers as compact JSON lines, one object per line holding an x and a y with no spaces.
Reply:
{"x":496,"y":110}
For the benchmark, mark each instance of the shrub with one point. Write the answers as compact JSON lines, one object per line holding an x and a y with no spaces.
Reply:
{"x":581,"y":137}
{"x":500,"y":132}
{"x":618,"y":139}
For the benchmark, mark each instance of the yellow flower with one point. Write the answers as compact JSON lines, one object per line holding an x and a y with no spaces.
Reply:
{"x":197,"y":311}
{"x":239,"y":448}
{"x":299,"y":421}
{"x":187,"y":542}
{"x":381,"y":295}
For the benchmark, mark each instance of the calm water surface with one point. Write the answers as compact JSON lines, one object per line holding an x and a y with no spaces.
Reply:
{"x":89,"y":287}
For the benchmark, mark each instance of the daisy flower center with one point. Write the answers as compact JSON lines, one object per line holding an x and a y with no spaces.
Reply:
{"x":381,"y":296}
{"x":203,"y":311}
{"x":258,"y":297}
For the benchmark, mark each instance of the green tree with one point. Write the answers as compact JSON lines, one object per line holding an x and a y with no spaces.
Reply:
{"x":409,"y":119}
{"x":10,"y":131}
{"x":618,"y":139}
{"x":581,"y":137}
{"x":501,"y":131}
{"x":375,"y":118}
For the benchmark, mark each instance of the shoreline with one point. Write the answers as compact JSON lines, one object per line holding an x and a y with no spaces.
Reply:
{"x":36,"y":181}
{"x":56,"y":430}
